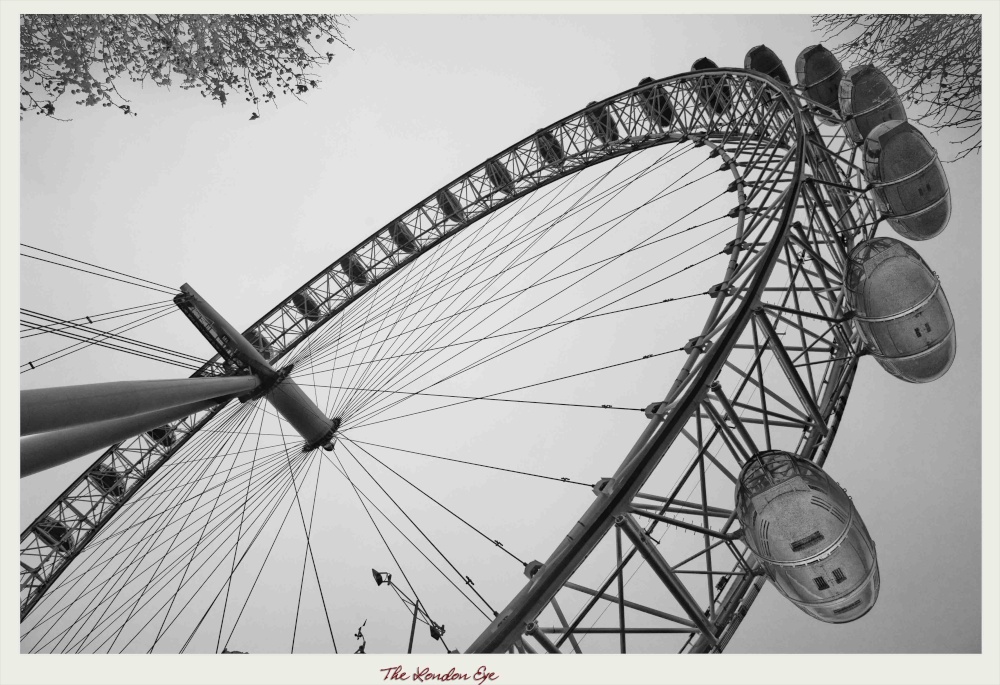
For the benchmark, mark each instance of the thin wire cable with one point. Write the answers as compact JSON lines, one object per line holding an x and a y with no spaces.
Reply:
{"x":105,"y":316}
{"x":95,"y":273}
{"x":420,"y":530}
{"x":472,"y":463}
{"x":423,"y":492}
{"x":66,"y":351}
{"x":96,"y":266}
{"x":48,"y":327}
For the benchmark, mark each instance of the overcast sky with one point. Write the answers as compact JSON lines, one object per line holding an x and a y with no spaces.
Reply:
{"x":246,"y":211}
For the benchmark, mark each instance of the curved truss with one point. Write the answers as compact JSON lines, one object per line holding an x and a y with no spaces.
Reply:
{"x":763,"y":137}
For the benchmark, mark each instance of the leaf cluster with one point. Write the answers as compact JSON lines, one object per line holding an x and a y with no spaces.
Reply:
{"x":254,"y":56}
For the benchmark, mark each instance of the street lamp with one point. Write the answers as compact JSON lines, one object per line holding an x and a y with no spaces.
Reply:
{"x":437,"y":631}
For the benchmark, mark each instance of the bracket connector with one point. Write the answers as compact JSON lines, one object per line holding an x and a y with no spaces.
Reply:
{"x":699,"y":343}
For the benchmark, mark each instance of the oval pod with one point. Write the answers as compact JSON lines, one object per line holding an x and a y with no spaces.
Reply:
{"x":656,"y":104}
{"x":713,"y":91}
{"x":109,"y":481}
{"x":450,"y":206}
{"x":259,"y":342}
{"x":161,"y":436}
{"x":500,"y":178}
{"x":867,"y":99}
{"x":354,"y":269}
{"x":306,"y":306}
{"x":402,"y":236}
{"x":808,"y":537}
{"x":601,"y":122}
{"x":901,"y":312}
{"x":549,"y":148}
{"x":910,"y":186}
{"x":819,"y":72}
{"x":763,"y":60}
{"x":55,"y":534}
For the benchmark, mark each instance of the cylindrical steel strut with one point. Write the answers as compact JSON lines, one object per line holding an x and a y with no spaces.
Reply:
{"x":48,"y":409}
{"x":45,"y":450}
{"x":282,"y":392}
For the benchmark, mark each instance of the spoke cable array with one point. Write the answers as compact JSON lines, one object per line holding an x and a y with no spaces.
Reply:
{"x":139,"y":284}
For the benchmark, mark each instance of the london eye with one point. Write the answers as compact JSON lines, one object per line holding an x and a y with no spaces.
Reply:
{"x":671,"y":288}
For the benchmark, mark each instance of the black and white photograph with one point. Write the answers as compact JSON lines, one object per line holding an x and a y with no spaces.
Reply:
{"x":424,"y":343}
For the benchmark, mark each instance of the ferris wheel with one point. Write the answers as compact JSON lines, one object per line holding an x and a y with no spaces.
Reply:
{"x":698,"y":252}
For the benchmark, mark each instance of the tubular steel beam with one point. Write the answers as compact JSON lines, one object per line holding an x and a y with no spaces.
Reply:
{"x":220,"y":332}
{"x":666,"y":575}
{"x":534,"y":631}
{"x":605,"y":631}
{"x":562,"y":620}
{"x":718,"y":511}
{"x":592,"y":602}
{"x":735,"y":606}
{"x":737,"y":449}
{"x":645,"y":455}
{"x":282,"y":392}
{"x":413,"y":626}
{"x":621,"y":590}
{"x":631,"y":605}
{"x":789,"y":368}
{"x":45,"y":450}
{"x":687,"y":526}
{"x":717,"y":390}
{"x":48,"y":409}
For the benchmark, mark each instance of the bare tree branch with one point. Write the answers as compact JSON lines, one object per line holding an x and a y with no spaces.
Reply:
{"x":934,"y":60}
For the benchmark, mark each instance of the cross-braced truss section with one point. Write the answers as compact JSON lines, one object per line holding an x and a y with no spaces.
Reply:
{"x":783,"y":385}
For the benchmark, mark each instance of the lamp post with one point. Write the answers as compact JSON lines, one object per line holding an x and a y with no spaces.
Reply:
{"x":437,"y":632}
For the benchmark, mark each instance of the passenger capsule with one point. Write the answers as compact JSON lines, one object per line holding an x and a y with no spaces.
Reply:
{"x":809,"y":538}
{"x":713,"y":91}
{"x":162,"y":435}
{"x":868,"y":98}
{"x":910,"y":185}
{"x":260,"y":343}
{"x":55,"y":534}
{"x":603,"y":124}
{"x":402,"y":236}
{"x":819,"y":73}
{"x":763,"y":60}
{"x":307,"y":307}
{"x":901,"y":312}
{"x":450,"y":205}
{"x":656,"y":104}
{"x":500,"y":178}
{"x":108,"y":481}
{"x":549,"y":148}
{"x":354,"y":269}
